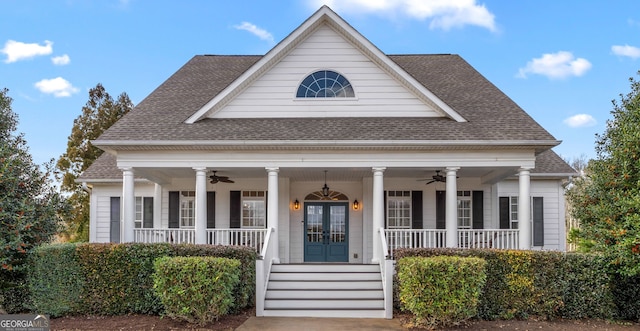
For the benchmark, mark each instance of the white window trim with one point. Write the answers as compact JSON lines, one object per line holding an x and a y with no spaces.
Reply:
{"x":258,"y":196}
{"x":399,"y":198}
{"x":462,"y":197}
{"x":191,"y":198}
{"x":139,"y":218}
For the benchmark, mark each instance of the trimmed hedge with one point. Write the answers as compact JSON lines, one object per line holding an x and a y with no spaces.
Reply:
{"x":541,"y":283}
{"x":118,"y":277}
{"x":55,"y":280}
{"x":441,"y":291}
{"x":115,"y":279}
{"x":196,"y":289}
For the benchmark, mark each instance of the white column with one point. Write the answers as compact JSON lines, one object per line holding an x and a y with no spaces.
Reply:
{"x":378,"y":213}
{"x":524,"y":219}
{"x":128,"y":205}
{"x":272,"y":210}
{"x":451,"y":209}
{"x":157,"y":206}
{"x":201,"y":206}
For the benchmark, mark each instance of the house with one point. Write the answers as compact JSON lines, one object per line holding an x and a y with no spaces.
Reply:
{"x":326,"y":149}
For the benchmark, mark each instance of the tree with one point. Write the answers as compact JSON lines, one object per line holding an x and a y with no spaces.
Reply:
{"x":30,"y":207}
{"x":607,"y":199}
{"x":98,"y":114}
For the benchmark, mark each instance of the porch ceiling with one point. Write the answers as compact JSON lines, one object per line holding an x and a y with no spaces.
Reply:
{"x":333,"y":174}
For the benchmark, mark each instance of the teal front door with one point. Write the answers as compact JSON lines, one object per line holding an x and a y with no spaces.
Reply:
{"x":326,"y":236}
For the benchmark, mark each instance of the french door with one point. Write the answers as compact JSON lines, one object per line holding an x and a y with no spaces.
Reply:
{"x":326,"y":237}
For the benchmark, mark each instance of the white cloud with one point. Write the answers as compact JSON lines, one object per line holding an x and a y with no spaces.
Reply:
{"x":556,"y":66}
{"x":580,"y":121}
{"x":253,"y":29}
{"x":626,"y":50}
{"x":16,"y":50}
{"x":59,"y":87}
{"x":444,"y":14}
{"x":61,"y":60}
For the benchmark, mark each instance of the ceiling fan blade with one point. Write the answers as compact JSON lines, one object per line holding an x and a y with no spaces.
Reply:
{"x":432,"y":181}
{"x":226,"y":180}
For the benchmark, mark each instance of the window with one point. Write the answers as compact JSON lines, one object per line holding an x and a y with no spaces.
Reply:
{"x":513,"y":212}
{"x":254,"y":209}
{"x":325,"y":84}
{"x":144,"y":212}
{"x":187,"y":209}
{"x":139,"y":213}
{"x":464,"y":209}
{"x":399,"y":209}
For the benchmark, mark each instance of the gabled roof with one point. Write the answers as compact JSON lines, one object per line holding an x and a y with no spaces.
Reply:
{"x":323,"y":16}
{"x":492,"y":118}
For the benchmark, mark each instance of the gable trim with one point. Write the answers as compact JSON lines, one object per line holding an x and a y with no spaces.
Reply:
{"x":328,"y":16}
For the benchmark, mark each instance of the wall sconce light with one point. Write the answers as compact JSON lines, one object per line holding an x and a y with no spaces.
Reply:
{"x":296,"y":205}
{"x":356,"y":204}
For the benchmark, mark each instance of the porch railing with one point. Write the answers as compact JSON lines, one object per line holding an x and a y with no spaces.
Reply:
{"x":486,"y":238}
{"x":175,"y":236}
{"x":414,"y":238}
{"x":254,"y":238}
{"x":242,"y":237}
{"x":431,"y":238}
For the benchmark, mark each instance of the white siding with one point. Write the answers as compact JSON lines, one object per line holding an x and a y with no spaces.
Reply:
{"x":553,"y":200}
{"x":377,"y":93}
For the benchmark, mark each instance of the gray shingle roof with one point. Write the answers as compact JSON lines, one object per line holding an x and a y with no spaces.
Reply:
{"x":548,"y":162}
{"x":490,"y":113}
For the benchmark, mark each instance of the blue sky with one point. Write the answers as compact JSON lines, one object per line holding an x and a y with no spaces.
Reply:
{"x":561,"y":61}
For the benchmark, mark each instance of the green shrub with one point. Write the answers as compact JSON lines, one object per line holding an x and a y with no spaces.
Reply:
{"x":115,"y":279}
{"x":245,"y":291}
{"x":118,"y":277}
{"x":440,"y":291}
{"x":587,"y":288}
{"x":626,"y":293}
{"x":14,"y":292}
{"x":55,"y":280}
{"x":196,"y":289}
{"x":541,"y":283}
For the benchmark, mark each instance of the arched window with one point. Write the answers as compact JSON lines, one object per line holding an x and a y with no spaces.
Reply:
{"x":325,"y":84}
{"x":333,"y":196}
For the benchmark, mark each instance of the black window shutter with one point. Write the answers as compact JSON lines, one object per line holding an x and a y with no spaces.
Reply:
{"x":174,"y":209}
{"x":235,"y":211}
{"x":477,"y":209}
{"x":504,"y":213}
{"x":384,"y":205}
{"x":115,"y":220}
{"x":211,"y":210}
{"x":416,"y":209}
{"x":538,"y":221}
{"x":147,"y":210}
{"x":441,"y":207}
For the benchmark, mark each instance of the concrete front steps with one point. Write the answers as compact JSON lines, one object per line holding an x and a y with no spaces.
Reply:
{"x":325,"y":290}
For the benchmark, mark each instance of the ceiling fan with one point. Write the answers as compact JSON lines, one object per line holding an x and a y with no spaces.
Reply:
{"x":215,"y":178}
{"x":436,"y":178}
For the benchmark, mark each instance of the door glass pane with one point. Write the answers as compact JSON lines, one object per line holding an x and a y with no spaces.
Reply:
{"x":337,"y":224}
{"x":314,"y":224}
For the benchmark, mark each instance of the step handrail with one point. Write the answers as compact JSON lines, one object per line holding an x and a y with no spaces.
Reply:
{"x":386,"y":272}
{"x":263,"y":270}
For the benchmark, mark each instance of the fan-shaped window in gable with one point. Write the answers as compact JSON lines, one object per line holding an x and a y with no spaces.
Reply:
{"x":325,"y":84}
